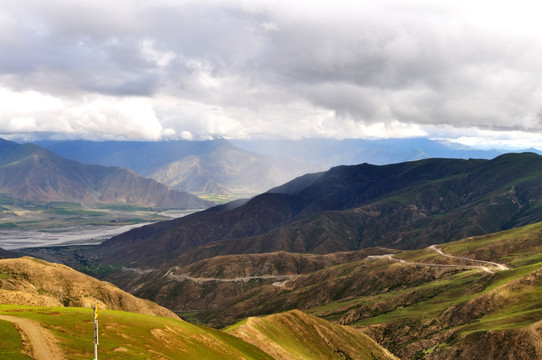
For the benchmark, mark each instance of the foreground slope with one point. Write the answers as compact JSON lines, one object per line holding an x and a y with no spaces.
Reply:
{"x":29,"y":172}
{"x":53,"y":329}
{"x":406,"y":205}
{"x":296,"y":335}
{"x":122,"y":335}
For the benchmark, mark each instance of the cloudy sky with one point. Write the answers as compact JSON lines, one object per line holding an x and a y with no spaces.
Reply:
{"x":469,"y":71}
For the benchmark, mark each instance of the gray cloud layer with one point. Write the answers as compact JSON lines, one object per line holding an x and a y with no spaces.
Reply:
{"x":158,"y":69}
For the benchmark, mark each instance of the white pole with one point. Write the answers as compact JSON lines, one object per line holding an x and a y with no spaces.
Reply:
{"x":96,"y":332}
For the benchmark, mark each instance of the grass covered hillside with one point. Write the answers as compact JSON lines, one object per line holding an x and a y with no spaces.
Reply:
{"x":45,"y":313}
{"x":68,"y":333}
{"x":296,"y":335}
{"x":471,"y":313}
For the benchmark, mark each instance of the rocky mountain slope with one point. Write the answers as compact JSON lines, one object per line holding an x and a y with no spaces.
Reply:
{"x":29,"y":172}
{"x":217,"y":288}
{"x":405,"y":205}
{"x":5,"y":254}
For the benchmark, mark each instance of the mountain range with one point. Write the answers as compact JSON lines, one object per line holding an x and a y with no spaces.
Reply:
{"x":326,"y":153}
{"x":252,"y":166}
{"x":30,"y":172}
{"x":405,"y":206}
{"x":211,"y":166}
{"x":477,"y":298}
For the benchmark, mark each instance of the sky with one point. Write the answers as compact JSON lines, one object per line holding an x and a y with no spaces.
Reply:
{"x":466,"y":71}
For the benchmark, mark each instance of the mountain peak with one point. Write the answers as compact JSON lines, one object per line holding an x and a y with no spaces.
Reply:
{"x":30,"y":172}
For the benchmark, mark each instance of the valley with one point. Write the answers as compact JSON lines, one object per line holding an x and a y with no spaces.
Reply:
{"x":270,"y":180}
{"x":25,"y":224}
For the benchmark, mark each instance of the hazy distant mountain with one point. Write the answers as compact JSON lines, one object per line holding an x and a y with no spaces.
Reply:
{"x":214,"y":166}
{"x":30,"y":172}
{"x":143,"y":157}
{"x":325,"y":153}
{"x":252,"y":166}
{"x":228,"y":169}
{"x":405,"y":205}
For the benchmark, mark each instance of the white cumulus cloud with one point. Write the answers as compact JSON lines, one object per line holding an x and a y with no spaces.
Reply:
{"x":237,"y":68}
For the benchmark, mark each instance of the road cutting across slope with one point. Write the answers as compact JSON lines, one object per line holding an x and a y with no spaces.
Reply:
{"x":280,"y":279}
{"x":500,"y":267}
{"x":484,"y":267}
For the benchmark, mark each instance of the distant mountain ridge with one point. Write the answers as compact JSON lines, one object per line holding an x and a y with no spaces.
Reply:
{"x":326,"y":153}
{"x":30,"y":172}
{"x":406,"y":205}
{"x":212,"y":166}
{"x":224,"y":167}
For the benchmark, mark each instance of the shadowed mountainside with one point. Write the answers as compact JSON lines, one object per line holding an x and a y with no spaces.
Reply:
{"x":29,"y":172}
{"x":406,"y":205}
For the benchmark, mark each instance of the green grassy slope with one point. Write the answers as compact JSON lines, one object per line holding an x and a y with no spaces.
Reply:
{"x":11,"y":345}
{"x":124,"y":336}
{"x":295,"y":335}
{"x":464,"y":314}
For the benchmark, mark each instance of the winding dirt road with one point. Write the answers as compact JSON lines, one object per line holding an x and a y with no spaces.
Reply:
{"x":484,"y":267}
{"x":41,"y":341}
{"x":500,"y":267}
{"x":281,"y":279}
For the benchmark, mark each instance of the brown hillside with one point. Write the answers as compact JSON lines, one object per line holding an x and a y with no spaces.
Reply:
{"x":275,"y":263}
{"x":228,"y":287}
{"x":28,"y":281}
{"x":296,"y":335}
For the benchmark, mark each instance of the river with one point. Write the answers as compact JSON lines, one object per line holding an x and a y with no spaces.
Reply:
{"x":11,"y":239}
